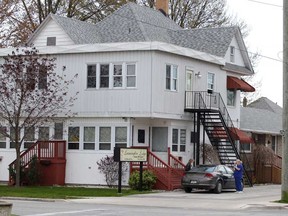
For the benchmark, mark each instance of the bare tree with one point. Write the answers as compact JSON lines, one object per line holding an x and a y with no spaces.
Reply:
{"x":20,"y":18}
{"x":31,"y":94}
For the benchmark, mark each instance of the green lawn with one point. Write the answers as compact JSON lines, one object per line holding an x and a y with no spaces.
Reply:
{"x":63,"y":192}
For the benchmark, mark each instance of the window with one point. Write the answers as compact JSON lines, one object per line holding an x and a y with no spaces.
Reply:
{"x":182,"y":140}
{"x":179,"y":142}
{"x":89,"y":138}
{"x":51,"y":41}
{"x":43,"y":133}
{"x":73,"y":137}
{"x":141,"y":136}
{"x":232,"y":54}
{"x":104,"y":76}
{"x":175,"y":140}
{"x":29,"y":139}
{"x":121,"y":137}
{"x":13,"y":134}
{"x":30,"y":78}
{"x":211,"y":81}
{"x":171,"y":77}
{"x":91,"y":76}
{"x":231,"y":96}
{"x":117,"y":76}
{"x":58,"y":134}
{"x":131,"y":75}
{"x":246,"y":147}
{"x":105,"y":138}
{"x":2,"y":137}
{"x":42,"y":77}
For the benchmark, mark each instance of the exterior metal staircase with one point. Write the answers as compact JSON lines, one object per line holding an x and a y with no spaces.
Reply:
{"x":213,"y":115}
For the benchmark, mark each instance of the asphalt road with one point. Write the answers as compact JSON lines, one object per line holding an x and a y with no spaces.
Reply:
{"x":258,"y":200}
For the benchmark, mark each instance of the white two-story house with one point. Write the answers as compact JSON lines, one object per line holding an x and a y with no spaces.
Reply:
{"x":138,"y":74}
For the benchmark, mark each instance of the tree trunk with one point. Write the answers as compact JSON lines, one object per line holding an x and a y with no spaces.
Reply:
{"x":18,"y":167}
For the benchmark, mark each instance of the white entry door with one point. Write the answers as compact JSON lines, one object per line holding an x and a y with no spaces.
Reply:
{"x":141,"y":135}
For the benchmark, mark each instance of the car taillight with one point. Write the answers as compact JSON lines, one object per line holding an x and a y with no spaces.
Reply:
{"x":208,"y":175}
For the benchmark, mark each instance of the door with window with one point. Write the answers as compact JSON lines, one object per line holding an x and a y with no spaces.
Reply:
{"x":189,"y":87}
{"x":141,"y":136}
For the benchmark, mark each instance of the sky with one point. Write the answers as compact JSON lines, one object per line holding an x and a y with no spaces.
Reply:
{"x":265,"y":22}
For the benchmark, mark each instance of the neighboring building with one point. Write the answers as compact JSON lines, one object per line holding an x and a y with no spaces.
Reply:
{"x":143,"y":81}
{"x":262,"y":120}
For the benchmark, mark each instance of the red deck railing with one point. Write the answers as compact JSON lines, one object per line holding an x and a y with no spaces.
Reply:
{"x":168,"y":175}
{"x":43,"y":150}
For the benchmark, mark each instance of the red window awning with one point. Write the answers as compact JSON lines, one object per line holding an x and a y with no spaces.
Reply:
{"x":241,"y":136}
{"x":239,"y":84}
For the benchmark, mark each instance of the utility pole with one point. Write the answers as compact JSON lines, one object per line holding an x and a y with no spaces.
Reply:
{"x":284,"y":188}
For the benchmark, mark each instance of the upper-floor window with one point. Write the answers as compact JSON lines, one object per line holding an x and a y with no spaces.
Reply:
{"x":231,"y":96}
{"x":104,"y":76}
{"x":131,"y":75}
{"x":117,"y":76}
{"x":171,"y":77}
{"x":211,"y":81}
{"x":91,"y":76}
{"x":232,"y":54}
{"x":111,"y":75}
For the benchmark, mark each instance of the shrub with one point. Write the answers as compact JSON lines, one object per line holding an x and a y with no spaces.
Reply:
{"x":148,"y":180}
{"x":110,"y":168}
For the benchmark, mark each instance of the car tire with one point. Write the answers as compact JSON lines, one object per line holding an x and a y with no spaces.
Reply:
{"x":187,"y":189}
{"x":218,"y":188}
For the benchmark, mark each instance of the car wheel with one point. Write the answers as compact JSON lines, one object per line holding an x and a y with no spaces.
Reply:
{"x":218,"y":188}
{"x":188,"y":189}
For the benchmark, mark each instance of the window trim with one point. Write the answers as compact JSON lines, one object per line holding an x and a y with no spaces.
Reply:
{"x":212,"y":83}
{"x":173,"y":81}
{"x":234,"y":97}
{"x":247,"y":151}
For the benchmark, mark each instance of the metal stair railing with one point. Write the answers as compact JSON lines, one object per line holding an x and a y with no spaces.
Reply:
{"x":213,"y":101}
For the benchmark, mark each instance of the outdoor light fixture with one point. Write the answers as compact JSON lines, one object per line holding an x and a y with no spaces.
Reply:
{"x":198,"y":74}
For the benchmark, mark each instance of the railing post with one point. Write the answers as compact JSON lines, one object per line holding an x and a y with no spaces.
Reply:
{"x":169,"y":156}
{"x":39,"y":150}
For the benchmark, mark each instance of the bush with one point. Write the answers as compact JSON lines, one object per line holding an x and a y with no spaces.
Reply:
{"x":148,"y":180}
{"x":110,"y":168}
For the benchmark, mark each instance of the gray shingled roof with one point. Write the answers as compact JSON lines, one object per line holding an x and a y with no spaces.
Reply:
{"x":261,"y":115}
{"x":135,"y":23}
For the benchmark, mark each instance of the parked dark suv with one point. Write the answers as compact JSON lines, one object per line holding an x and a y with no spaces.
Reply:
{"x":208,"y":177}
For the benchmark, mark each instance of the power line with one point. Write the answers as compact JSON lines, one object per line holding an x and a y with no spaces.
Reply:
{"x":264,"y":3}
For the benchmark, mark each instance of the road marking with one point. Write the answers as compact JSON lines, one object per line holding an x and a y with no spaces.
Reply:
{"x":67,"y":212}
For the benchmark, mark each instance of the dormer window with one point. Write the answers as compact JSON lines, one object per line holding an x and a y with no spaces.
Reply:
{"x":51,"y":41}
{"x":232,"y":54}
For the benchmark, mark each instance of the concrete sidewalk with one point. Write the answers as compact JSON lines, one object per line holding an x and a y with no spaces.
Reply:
{"x":254,"y":197}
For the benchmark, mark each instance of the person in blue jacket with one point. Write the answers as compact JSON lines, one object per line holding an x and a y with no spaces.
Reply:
{"x":238,"y":175}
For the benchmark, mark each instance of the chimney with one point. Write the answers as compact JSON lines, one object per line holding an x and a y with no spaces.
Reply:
{"x":163,"y":6}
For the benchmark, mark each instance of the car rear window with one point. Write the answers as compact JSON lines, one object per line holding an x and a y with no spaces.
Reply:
{"x":203,"y":169}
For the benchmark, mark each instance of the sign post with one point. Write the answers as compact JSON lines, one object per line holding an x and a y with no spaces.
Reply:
{"x":130,"y":155}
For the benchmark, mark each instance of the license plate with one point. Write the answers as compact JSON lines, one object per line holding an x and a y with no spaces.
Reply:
{"x":193,"y":182}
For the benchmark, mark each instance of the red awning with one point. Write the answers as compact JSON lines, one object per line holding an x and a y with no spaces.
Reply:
{"x":241,"y":136}
{"x":239,"y":84}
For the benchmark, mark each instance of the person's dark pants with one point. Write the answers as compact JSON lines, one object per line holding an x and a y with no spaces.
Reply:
{"x":238,"y":183}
